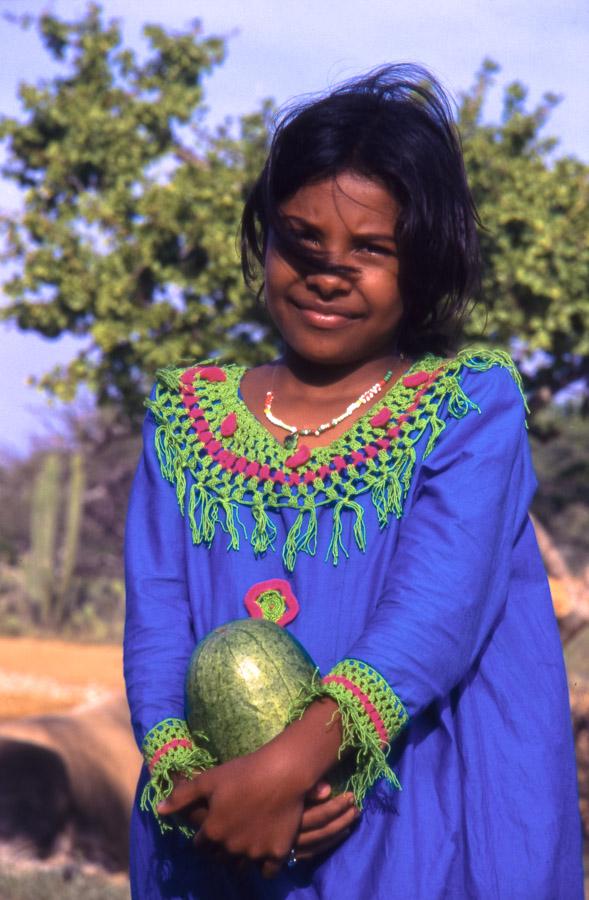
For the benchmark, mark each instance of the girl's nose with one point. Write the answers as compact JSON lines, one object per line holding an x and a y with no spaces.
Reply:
{"x":327,"y":284}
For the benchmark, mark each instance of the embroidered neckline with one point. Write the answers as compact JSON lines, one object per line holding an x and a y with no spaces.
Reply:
{"x":334,"y":447}
{"x":207,"y":431}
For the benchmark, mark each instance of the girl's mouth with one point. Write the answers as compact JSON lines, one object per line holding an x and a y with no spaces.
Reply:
{"x":324,"y":318}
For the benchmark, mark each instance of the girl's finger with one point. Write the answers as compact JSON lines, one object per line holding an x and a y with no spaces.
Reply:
{"x":321,"y":791}
{"x":271,"y":868}
{"x":195,"y":817}
{"x":323,"y":846}
{"x":323,"y":813}
{"x":308,"y":839}
{"x":185,"y":794}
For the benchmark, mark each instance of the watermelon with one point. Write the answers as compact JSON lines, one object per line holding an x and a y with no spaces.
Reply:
{"x":242,"y":680}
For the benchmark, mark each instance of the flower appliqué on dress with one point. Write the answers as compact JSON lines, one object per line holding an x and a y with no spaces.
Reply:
{"x":272,"y":600}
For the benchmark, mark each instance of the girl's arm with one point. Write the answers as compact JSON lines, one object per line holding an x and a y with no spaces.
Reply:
{"x":159,"y":635}
{"x":447,"y":586}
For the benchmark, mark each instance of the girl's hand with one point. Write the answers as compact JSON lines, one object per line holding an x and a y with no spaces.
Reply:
{"x":247,"y":809}
{"x":253,"y":805}
{"x":326,"y":822}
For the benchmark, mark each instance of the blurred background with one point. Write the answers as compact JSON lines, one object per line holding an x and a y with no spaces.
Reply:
{"x":129,"y":135}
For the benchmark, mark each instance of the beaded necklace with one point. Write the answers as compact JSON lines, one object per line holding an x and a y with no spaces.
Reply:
{"x":291,"y":440}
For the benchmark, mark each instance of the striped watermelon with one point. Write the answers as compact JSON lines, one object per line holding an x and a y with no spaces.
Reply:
{"x":242,"y":680}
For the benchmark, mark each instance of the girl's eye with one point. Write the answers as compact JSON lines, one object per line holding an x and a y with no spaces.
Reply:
{"x":305,"y":237}
{"x":377,"y":249}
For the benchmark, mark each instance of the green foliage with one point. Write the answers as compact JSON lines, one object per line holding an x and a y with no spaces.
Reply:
{"x":561,"y":458}
{"x":128,"y":238}
{"x":535,"y":242}
{"x":132,"y":207}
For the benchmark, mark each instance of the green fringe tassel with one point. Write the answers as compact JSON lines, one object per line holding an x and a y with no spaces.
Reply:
{"x":264,"y":533}
{"x":299,"y":540}
{"x":358,"y":735}
{"x":486,"y":359}
{"x":336,"y":544}
{"x":203,"y":529}
{"x":161,"y":785}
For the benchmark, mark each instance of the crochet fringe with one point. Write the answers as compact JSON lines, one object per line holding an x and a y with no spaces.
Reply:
{"x":213,"y":497}
{"x":161,"y":785}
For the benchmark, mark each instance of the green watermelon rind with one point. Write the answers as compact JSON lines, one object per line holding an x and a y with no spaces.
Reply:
{"x":243,"y":680}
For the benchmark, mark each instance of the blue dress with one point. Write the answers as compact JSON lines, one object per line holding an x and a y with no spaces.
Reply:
{"x":408,"y":547}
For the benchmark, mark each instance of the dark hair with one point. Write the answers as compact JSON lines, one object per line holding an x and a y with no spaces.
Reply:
{"x":393,"y":125}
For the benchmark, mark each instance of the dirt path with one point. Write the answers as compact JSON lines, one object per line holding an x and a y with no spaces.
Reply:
{"x":40,"y":676}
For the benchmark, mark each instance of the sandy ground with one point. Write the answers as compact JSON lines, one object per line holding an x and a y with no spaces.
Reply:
{"x":41,"y":676}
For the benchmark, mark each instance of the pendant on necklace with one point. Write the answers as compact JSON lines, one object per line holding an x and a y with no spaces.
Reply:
{"x":291,"y":440}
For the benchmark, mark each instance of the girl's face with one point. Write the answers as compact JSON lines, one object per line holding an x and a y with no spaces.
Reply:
{"x":331,"y":319}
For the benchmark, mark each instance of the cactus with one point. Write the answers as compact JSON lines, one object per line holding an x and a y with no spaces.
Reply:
{"x":71,"y":536}
{"x":50,"y":565}
{"x":40,"y":567}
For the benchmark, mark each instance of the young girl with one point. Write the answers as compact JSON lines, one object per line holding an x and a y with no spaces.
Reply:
{"x":371,"y":487}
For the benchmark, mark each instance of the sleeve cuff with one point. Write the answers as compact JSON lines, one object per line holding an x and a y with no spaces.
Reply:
{"x":374,"y":699}
{"x":372,"y":716}
{"x":169,"y":748}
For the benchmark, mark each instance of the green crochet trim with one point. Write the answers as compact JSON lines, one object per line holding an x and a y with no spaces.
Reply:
{"x":168,"y":748}
{"x":378,"y":459}
{"x":358,"y":728}
{"x":387,"y":706}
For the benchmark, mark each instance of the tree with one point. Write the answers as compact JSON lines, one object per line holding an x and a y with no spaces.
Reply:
{"x":128,"y":237}
{"x":535,"y":240}
{"x":131,"y":212}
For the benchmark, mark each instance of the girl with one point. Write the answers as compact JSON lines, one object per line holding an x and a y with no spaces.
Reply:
{"x":374,"y":486}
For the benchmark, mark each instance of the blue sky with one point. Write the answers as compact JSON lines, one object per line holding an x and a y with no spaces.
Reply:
{"x":299,"y":46}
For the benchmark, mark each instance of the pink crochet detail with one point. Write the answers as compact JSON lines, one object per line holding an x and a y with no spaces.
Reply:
{"x":357,"y":457}
{"x":381,"y":418}
{"x":252,"y":469}
{"x":229,"y":425}
{"x":240,"y":464}
{"x":188,"y":376}
{"x":212,"y":373}
{"x":323,"y":472}
{"x":294,"y":478}
{"x":370,"y":451}
{"x":177,"y":742}
{"x":309,"y":476}
{"x":299,"y":458}
{"x":339,"y":463}
{"x":278,"y":585}
{"x":416,"y":379}
{"x":369,"y":707}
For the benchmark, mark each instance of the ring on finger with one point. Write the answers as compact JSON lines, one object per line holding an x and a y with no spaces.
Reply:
{"x":291,"y":860}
